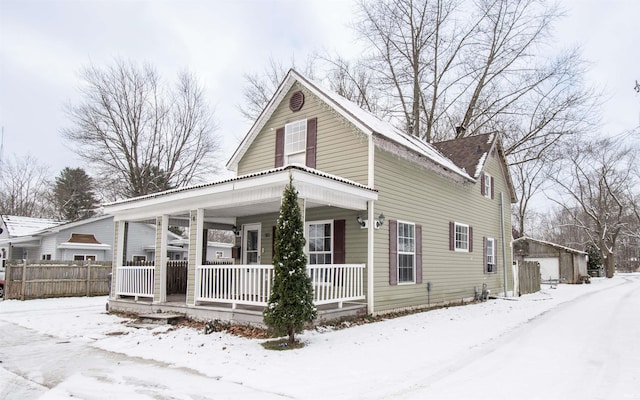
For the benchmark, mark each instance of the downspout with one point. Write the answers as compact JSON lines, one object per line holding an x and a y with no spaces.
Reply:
{"x":370,"y":239}
{"x":370,"y":231}
{"x":504,"y":242}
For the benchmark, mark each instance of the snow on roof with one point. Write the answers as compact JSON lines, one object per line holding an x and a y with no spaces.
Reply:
{"x":381,"y":127}
{"x":364,"y":120}
{"x":558,"y":246}
{"x":25,"y":226}
{"x":299,"y":167}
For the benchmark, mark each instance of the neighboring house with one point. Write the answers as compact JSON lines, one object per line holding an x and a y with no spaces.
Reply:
{"x":557,"y":263}
{"x":215,"y":250}
{"x":391,"y":222}
{"x":88,"y":239}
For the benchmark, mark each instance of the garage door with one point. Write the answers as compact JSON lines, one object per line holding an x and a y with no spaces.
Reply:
{"x":549,"y":267}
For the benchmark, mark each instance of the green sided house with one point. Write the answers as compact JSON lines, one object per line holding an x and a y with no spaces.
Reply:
{"x":391,"y":222}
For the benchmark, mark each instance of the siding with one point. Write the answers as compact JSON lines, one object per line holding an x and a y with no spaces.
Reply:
{"x":341,"y":148}
{"x":103,"y":232}
{"x":49,"y":245}
{"x":412,"y":194}
{"x":139,"y":236}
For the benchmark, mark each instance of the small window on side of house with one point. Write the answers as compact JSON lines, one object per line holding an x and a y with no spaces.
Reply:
{"x":490,"y":251}
{"x":487,"y":185}
{"x":46,"y":256}
{"x":461,"y":237}
{"x":219,"y":254}
{"x":406,"y":253}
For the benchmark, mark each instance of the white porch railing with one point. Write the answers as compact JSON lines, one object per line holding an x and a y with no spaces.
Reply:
{"x":235,"y":284}
{"x":251,"y":284}
{"x":135,"y":281}
{"x":336,"y":283}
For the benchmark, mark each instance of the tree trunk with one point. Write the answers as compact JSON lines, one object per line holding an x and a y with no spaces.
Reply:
{"x":610,"y":265}
{"x":292,"y":335}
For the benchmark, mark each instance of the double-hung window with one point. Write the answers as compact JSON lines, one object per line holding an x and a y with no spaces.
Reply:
{"x":461,"y":237}
{"x":406,"y":252}
{"x":487,"y":182}
{"x":295,"y":141}
{"x":490,"y":251}
{"x":320,"y":239}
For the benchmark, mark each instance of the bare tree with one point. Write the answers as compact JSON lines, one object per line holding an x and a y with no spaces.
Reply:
{"x":478,"y":66}
{"x":528,"y":180}
{"x":261,"y":86}
{"x":24,"y":186}
{"x":353,"y":81}
{"x":595,"y":177}
{"x":140,"y":134}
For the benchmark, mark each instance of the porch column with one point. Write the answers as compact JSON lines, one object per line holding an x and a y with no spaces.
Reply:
{"x":370,"y":252}
{"x":196,"y":240}
{"x":160,"y":284}
{"x":118,"y":255}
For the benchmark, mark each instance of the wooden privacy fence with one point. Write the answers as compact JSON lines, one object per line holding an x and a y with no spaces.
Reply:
{"x":35,"y":279}
{"x":528,"y":277}
{"x":177,"y":276}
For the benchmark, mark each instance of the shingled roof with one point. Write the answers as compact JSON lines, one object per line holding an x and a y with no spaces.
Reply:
{"x":468,"y":153}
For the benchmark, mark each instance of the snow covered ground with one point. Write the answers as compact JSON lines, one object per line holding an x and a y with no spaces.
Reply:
{"x":569,"y":342}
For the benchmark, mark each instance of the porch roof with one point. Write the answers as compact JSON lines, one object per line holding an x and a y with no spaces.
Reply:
{"x":250,"y":194}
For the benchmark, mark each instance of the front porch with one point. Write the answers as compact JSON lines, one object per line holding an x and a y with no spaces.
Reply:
{"x":238,"y":288}
{"x":240,"y":293}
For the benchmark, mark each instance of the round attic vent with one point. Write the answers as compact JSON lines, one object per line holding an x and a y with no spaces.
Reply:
{"x":296,"y":101}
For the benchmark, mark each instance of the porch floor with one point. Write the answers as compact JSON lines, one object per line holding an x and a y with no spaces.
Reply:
{"x":242,"y":313}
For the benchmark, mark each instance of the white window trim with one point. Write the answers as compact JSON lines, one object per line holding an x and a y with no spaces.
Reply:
{"x":139,"y":255}
{"x":493,"y":256}
{"x":95,"y":257}
{"x":412,"y":282}
{"x":287,"y":153}
{"x":455,"y":240}
{"x":307,"y":237}
{"x":487,"y":185}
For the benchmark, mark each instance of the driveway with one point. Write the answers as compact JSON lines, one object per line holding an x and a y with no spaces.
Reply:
{"x":42,"y":367}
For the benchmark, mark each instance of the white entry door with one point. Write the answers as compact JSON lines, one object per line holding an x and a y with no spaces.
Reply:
{"x":251,"y":244}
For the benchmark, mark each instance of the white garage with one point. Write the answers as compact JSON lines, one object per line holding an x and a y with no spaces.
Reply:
{"x":549,"y":267}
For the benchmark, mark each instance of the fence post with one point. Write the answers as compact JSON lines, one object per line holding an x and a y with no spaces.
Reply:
{"x":7,"y":279}
{"x":24,"y":278}
{"x":88,"y":277}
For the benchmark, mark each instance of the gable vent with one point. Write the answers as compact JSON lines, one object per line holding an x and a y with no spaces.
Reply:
{"x":296,"y":101}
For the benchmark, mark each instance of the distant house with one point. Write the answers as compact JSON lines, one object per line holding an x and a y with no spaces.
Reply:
{"x":88,"y":239}
{"x":557,"y":262}
{"x":391,"y":222}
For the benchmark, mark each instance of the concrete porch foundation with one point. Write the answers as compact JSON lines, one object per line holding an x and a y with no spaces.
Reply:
{"x":242,"y":314}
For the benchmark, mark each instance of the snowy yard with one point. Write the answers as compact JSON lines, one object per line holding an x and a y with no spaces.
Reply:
{"x":571,"y":342}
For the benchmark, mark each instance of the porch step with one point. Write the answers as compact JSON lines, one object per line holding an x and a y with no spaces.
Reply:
{"x":161,"y":318}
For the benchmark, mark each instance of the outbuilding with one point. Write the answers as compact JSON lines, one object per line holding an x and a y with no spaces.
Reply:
{"x":557,"y":263}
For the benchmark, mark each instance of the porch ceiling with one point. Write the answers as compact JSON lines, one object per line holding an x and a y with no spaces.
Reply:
{"x":247,"y":195}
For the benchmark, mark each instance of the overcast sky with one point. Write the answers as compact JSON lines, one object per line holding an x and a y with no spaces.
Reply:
{"x":43,"y":45}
